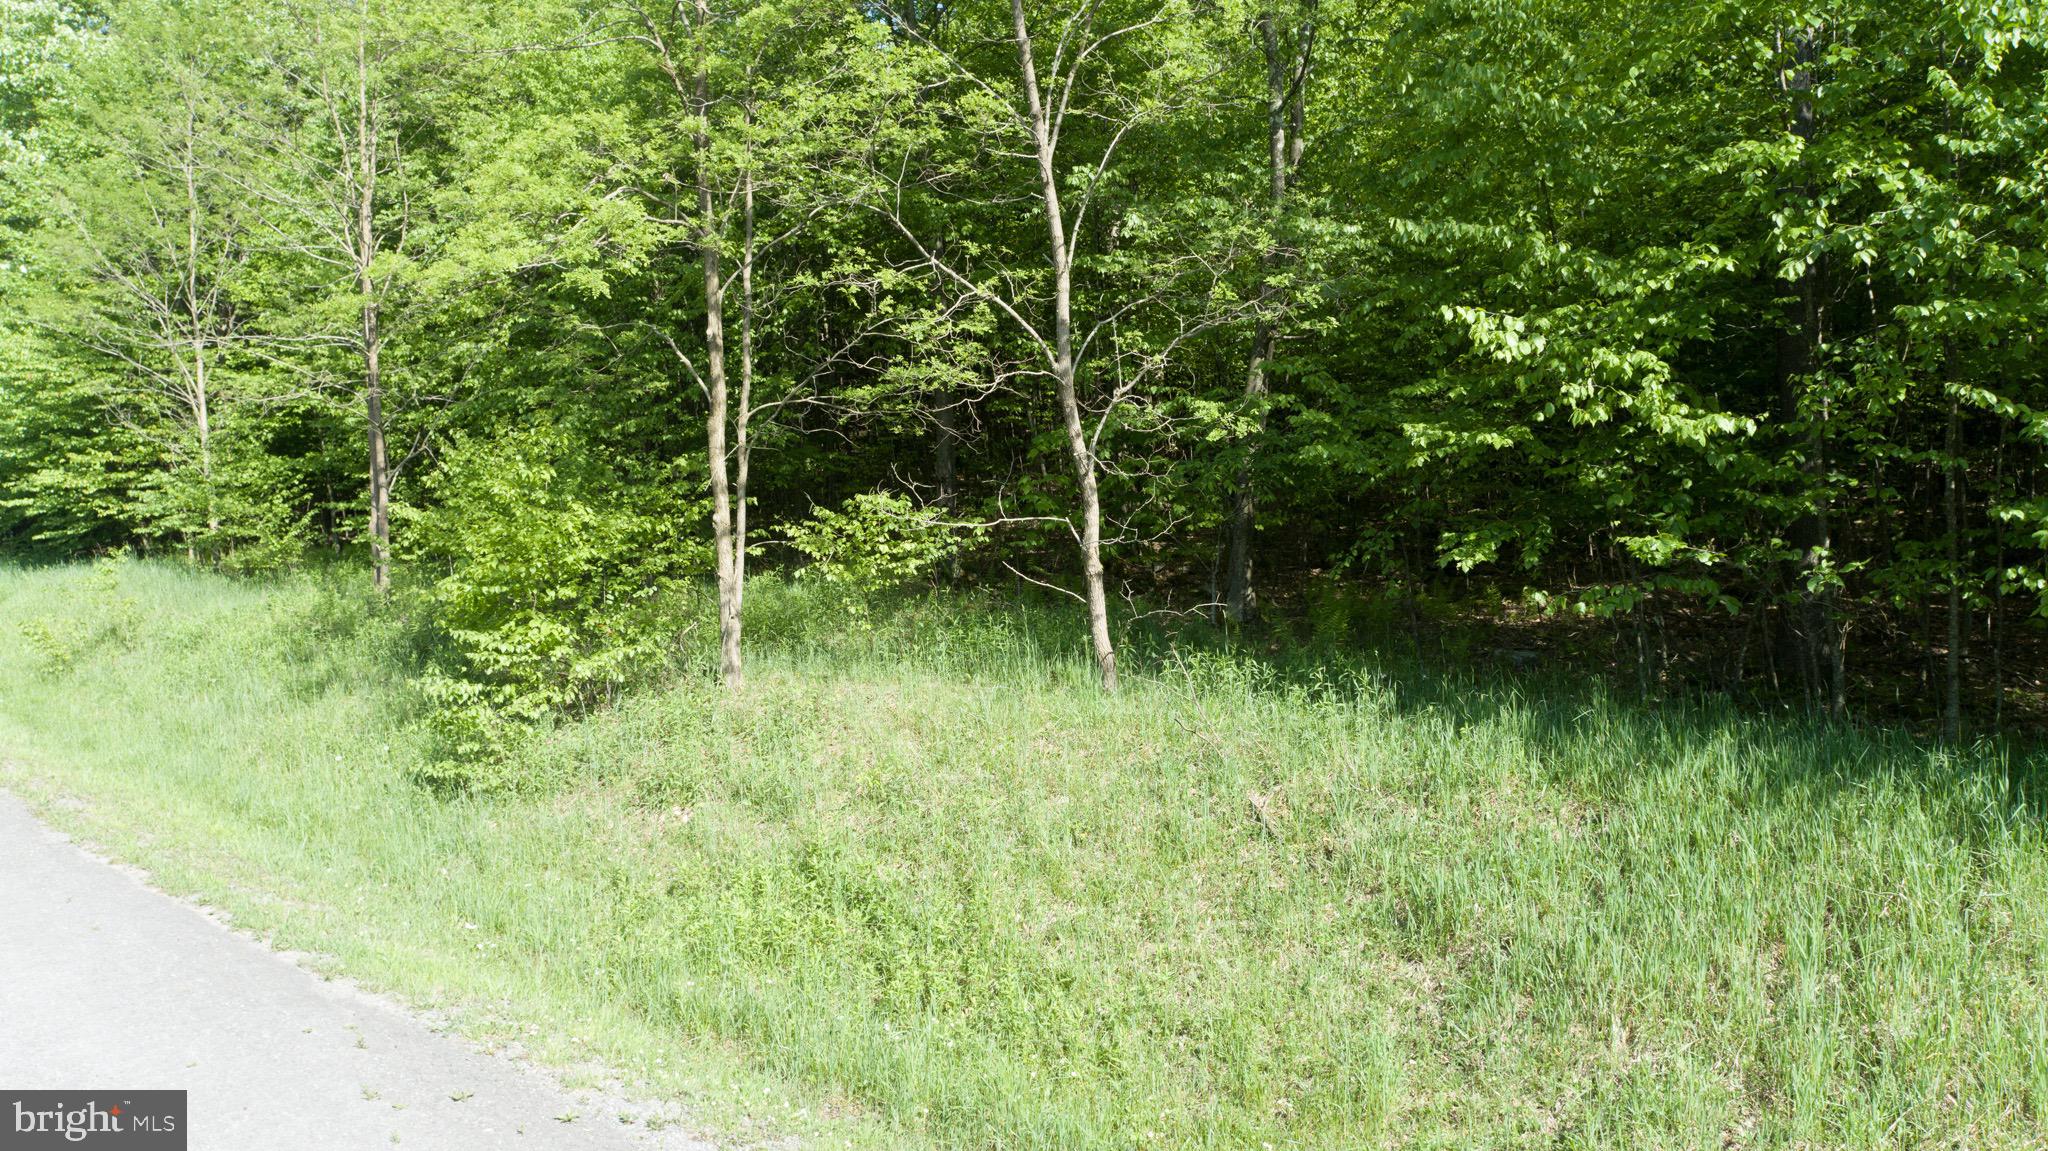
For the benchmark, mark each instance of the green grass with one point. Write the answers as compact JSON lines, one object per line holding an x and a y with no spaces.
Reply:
{"x":923,"y":885}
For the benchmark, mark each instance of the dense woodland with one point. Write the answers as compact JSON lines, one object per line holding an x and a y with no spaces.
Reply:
{"x":1700,"y":340}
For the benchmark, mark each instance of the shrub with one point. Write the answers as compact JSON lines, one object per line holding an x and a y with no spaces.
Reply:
{"x":874,"y":541}
{"x":557,"y":566}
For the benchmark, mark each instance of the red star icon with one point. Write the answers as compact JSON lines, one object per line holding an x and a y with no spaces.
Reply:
{"x":115,"y":1110}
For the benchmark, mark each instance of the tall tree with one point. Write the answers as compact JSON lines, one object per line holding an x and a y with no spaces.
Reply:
{"x":333,"y":159}
{"x":1287,"y":48}
{"x":1112,"y":74}
{"x":148,"y":240}
{"x":770,"y":105}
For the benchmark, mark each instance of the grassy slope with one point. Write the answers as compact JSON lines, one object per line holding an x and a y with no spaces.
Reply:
{"x":923,"y":882}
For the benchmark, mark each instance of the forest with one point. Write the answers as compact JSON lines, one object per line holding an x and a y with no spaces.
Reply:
{"x":1695,"y":341}
{"x":1069,"y":573}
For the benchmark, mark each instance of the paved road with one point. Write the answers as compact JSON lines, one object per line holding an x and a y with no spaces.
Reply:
{"x":108,"y":984}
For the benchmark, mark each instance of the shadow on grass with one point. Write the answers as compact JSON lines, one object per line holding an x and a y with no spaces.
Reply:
{"x":1592,"y":729}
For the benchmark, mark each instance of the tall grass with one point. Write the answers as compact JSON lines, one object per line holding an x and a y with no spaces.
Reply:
{"x":924,"y":881}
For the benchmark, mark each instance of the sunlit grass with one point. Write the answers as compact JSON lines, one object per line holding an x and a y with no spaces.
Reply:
{"x":922,"y":882}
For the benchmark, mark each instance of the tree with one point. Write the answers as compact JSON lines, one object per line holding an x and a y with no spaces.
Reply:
{"x":1113,"y":74}
{"x":147,"y":241}
{"x":767,"y":112}
{"x":334,"y":159}
{"x":38,"y":38}
{"x":1287,"y":47}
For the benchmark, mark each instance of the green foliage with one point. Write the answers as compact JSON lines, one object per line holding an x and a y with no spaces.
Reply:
{"x":1581,"y":315}
{"x":555,"y":576}
{"x":876,"y":540}
{"x":38,"y":39}
{"x":1621,"y":310}
{"x":66,"y":477}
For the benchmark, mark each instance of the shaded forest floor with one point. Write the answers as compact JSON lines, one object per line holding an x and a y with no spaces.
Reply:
{"x":1683,"y":646}
{"x":922,"y":884}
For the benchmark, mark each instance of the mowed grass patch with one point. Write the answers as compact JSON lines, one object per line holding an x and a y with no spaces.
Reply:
{"x":922,"y":882}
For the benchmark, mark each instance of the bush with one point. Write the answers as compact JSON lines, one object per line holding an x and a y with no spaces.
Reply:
{"x":558,"y":566}
{"x":874,"y":541}
{"x":253,"y":515}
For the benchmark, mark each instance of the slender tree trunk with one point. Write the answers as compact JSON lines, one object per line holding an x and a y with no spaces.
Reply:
{"x":742,"y":448}
{"x":722,"y":541}
{"x":373,"y":414}
{"x":1951,"y":501}
{"x":1952,"y":514}
{"x":1813,"y":632}
{"x":380,"y":465}
{"x":946,"y":468}
{"x":372,"y":335}
{"x":1240,"y":599}
{"x":1997,"y":620}
{"x":203,"y":416}
{"x":946,"y":440}
{"x":946,"y":454}
{"x":202,"y":413}
{"x":1085,"y":467}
